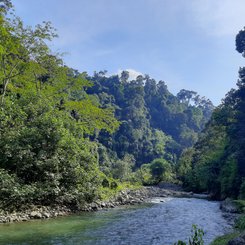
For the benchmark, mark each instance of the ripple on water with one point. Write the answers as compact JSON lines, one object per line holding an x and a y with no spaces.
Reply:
{"x":162,"y":222}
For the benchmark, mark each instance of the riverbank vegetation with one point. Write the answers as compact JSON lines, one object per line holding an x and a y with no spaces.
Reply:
{"x":68,"y":138}
{"x":216,"y":162}
{"x":196,"y":237}
{"x":237,"y":236}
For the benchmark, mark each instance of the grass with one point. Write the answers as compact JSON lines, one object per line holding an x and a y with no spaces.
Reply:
{"x":223,"y":240}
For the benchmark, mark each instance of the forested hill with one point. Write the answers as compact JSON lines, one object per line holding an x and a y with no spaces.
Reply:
{"x":153,"y":122}
{"x":217,"y":161}
{"x":67,"y":138}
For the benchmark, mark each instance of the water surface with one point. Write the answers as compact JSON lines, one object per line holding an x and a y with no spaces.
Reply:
{"x":162,"y":222}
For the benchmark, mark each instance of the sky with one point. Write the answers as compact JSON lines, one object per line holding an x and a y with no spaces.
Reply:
{"x":188,"y":44}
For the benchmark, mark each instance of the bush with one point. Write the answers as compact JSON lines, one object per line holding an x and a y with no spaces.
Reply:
{"x":195,"y":239}
{"x":13,"y":194}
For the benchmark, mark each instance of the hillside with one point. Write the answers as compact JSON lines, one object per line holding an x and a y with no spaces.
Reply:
{"x":216,"y":162}
{"x":68,"y":138}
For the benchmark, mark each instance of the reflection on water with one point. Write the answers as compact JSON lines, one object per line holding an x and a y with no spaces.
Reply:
{"x":162,"y":222}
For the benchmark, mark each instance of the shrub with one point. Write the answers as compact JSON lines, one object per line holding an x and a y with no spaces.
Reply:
{"x":196,"y":237}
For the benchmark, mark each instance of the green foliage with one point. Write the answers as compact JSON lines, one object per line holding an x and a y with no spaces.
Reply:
{"x":90,"y":116}
{"x":160,"y":170}
{"x":205,"y":172}
{"x":185,"y":164}
{"x":145,"y":175}
{"x":122,"y":169}
{"x":240,"y":42}
{"x":223,"y":240}
{"x":196,"y":237}
{"x":240,"y":223}
{"x":240,"y":205}
{"x":60,"y":141}
{"x":46,"y":118}
{"x":217,"y":164}
{"x":107,"y":193}
{"x":228,"y":177}
{"x":154,"y":123}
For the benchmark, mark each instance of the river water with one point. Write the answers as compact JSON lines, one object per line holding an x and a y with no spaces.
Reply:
{"x":160,"y":222}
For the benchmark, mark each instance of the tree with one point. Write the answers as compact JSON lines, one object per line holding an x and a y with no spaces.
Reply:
{"x":160,"y":170}
{"x":185,"y":163}
{"x":5,"y":5}
{"x":218,"y":157}
{"x":20,"y":48}
{"x":240,"y":42}
{"x":185,"y":96}
{"x":124,"y":76}
{"x":122,"y":169}
{"x":47,"y":121}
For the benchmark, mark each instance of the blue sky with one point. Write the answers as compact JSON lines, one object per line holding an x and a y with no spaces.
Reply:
{"x":187,"y":43}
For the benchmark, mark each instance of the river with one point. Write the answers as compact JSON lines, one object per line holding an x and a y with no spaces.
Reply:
{"x":159,"y":222}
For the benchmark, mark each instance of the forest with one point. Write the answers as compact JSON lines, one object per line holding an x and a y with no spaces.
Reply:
{"x":69,"y":138}
{"x":215,"y":164}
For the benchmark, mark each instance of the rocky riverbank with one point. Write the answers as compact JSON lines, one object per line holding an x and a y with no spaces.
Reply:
{"x":130,"y":197}
{"x":125,"y":197}
{"x":230,"y":211}
{"x":228,"y":206}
